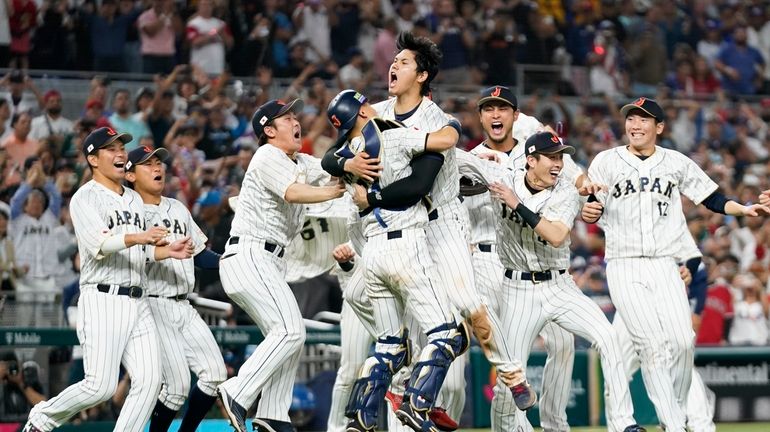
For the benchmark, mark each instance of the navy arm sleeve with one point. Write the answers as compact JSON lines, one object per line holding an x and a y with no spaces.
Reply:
{"x":332,"y":164}
{"x":716,"y":202}
{"x":410,"y":190}
{"x":207,"y":259}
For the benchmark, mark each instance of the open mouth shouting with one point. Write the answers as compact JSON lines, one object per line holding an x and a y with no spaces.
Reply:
{"x":497,"y":128}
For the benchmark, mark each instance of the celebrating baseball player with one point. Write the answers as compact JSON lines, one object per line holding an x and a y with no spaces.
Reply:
{"x":533,"y":245}
{"x":640,"y":215}
{"x":507,"y":129}
{"x":186,"y":342}
{"x":115,"y":324}
{"x":277,"y":184}
{"x":397,"y":273}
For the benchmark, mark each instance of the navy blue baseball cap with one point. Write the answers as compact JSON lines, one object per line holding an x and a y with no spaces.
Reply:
{"x":343,"y":110}
{"x":142,"y":154}
{"x":270,"y":111}
{"x":498,"y":93}
{"x":546,"y":143}
{"x":648,"y":106}
{"x":103,"y":137}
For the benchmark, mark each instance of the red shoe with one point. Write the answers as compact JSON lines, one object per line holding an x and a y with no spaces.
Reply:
{"x":394,"y":399}
{"x":442,"y":420}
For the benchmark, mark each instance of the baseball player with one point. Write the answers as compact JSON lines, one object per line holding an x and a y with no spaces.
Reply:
{"x":397,"y":273}
{"x":186,"y":343}
{"x":641,"y":217}
{"x":270,"y":211}
{"x":115,"y":324}
{"x":699,"y":407}
{"x":505,"y":127}
{"x":533,"y":246}
{"x":413,"y":68}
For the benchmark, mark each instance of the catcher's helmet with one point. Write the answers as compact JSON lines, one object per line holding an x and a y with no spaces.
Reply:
{"x":342,"y":111}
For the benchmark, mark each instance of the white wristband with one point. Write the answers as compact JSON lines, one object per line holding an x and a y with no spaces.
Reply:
{"x":113,"y":244}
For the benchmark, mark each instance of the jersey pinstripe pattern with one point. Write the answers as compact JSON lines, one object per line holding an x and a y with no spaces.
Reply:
{"x":642,"y":198}
{"x":429,"y":118}
{"x":309,"y":254}
{"x":112,"y":329}
{"x":262,"y":211}
{"x":172,"y":277}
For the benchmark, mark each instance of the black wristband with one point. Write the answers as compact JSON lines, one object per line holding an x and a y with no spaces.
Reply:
{"x":374,"y":199}
{"x":530,"y":217}
{"x":346,"y":266}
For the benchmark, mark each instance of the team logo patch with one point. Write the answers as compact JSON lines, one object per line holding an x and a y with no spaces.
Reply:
{"x":531,"y":149}
{"x":111,"y":132}
{"x":640,"y":101}
{"x":335,"y":121}
{"x":496,"y":92}
{"x":359,"y":97}
{"x":90,"y":148}
{"x":128,"y":166}
{"x":554,"y":138}
{"x":147,"y":149}
{"x":263,"y":120}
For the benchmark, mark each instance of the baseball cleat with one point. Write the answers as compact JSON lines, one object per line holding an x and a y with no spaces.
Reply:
{"x":270,"y":425}
{"x":355,"y":425}
{"x":235,"y":413}
{"x":523,"y":395}
{"x":394,"y":399}
{"x":416,"y":420}
{"x":442,"y":420}
{"x":634,"y":428}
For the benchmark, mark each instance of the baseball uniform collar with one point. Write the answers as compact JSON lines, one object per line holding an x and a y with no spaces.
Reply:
{"x":635,"y":161}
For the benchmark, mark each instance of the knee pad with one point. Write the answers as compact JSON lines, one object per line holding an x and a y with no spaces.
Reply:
{"x":430,"y":371}
{"x":369,"y":390}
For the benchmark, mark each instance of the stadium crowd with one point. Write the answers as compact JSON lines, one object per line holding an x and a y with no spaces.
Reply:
{"x":704,"y":61}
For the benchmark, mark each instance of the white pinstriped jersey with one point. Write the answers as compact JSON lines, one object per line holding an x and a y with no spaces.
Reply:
{"x":519,"y":246}
{"x":356,"y":232}
{"x":310,"y":253}
{"x":399,"y":146}
{"x":524,"y":127}
{"x":643,"y":205}
{"x":97,"y":214}
{"x":429,"y":118}
{"x":32,"y":242}
{"x":262,"y":210}
{"x":483,"y":213}
{"x":172,"y":277}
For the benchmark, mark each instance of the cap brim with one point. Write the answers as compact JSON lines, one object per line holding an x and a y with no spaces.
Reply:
{"x":626,"y":108}
{"x":561,"y":148}
{"x":160,"y":152}
{"x":488,"y":99}
{"x":296,"y":106}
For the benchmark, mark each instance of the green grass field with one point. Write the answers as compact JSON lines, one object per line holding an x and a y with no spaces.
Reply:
{"x":722,"y":427}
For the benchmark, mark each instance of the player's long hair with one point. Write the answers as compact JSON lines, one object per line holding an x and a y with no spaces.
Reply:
{"x":426,"y":55}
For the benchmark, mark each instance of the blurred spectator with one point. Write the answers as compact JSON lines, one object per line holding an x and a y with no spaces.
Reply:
{"x":455,"y":38}
{"x":607,"y":63}
{"x":108,"y":36}
{"x":354,"y":75}
{"x":19,"y":100}
{"x":35,"y":210}
{"x":51,"y":125}
{"x":758,"y":35}
{"x":160,"y":118}
{"x":709,"y":46}
{"x":741,"y":65}
{"x":209,"y":38}
{"x":311,"y":20}
{"x":704,"y":82}
{"x":5,"y":119}
{"x":156,"y":26}
{"x":8,"y":268}
{"x":49,"y":41}
{"x":718,"y":313}
{"x":217,"y":139}
{"x":19,"y":145}
{"x":498,"y":45}
{"x":122,"y":120}
{"x":66,"y":249}
{"x":385,"y":50}
{"x":22,"y":17}
{"x":21,"y":388}
{"x":95,"y":111}
{"x":344,"y":23}
{"x":750,"y":321}
{"x":407,"y":15}
{"x":5,"y":35}
{"x":647,"y":57}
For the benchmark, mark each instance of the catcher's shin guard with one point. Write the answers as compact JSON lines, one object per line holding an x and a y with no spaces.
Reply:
{"x":445,"y":343}
{"x":391,"y":354}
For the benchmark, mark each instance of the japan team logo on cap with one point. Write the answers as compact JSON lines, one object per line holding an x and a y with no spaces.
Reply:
{"x":336,"y":122}
{"x":111,"y":132}
{"x":555,"y":139}
{"x":496,"y":92}
{"x":640,"y":101}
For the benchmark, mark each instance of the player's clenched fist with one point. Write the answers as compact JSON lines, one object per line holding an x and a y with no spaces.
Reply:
{"x":181,"y":249}
{"x":364,"y":167}
{"x":343,"y":253}
{"x":154,"y":236}
{"x":592,"y":211}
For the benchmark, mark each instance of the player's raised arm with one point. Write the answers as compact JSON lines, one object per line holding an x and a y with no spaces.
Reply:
{"x":444,"y":138}
{"x":479,"y":170}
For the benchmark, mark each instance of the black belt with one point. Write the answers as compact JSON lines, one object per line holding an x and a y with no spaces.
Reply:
{"x":484,"y":247}
{"x":533,"y":276}
{"x":178,"y":297}
{"x":395,"y":234}
{"x":433,"y":215}
{"x":270,"y":247}
{"x":132,"y":291}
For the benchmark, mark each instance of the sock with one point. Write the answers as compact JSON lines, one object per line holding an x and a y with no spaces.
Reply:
{"x":198,"y":405}
{"x":161,"y":419}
